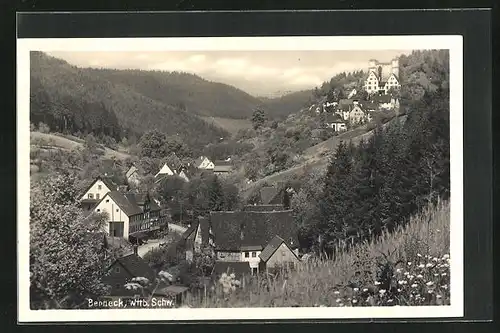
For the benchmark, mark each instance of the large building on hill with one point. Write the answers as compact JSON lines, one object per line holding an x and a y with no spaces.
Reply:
{"x":382,"y":76}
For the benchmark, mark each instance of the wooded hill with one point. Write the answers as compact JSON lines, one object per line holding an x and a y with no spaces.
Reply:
{"x":124,"y":103}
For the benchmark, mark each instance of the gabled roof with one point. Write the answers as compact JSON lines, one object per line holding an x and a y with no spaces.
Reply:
{"x":269,"y":194}
{"x":133,"y":169}
{"x":271,"y":247}
{"x":139,"y":199}
{"x":108,"y":182}
{"x":239,"y":268}
{"x":136,"y":266}
{"x":199,"y":160}
{"x":234,"y":229}
{"x":129,"y":208}
{"x":223,"y":168}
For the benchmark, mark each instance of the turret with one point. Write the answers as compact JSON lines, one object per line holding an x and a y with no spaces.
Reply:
{"x":395,"y":67}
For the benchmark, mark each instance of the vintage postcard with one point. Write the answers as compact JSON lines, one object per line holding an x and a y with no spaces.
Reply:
{"x":183,"y":179}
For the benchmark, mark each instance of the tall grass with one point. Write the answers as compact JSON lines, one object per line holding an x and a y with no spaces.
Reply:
{"x":357,"y":277}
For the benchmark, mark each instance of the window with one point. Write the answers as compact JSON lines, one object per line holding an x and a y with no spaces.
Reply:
{"x":91,"y":196}
{"x":117,"y":210}
{"x":99,"y":187}
{"x":254,"y":254}
{"x":254,"y":270}
{"x":117,"y":269}
{"x":283,"y":253}
{"x":247,"y":254}
{"x":98,"y":210}
{"x":107,"y":200}
{"x":97,"y":196}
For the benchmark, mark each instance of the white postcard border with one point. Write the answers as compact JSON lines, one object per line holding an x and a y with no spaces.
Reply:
{"x":454,"y":43}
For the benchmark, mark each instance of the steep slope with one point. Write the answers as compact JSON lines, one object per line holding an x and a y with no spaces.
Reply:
{"x":71,"y":94}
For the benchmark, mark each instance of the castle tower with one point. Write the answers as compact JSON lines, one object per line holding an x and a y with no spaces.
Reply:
{"x":372,"y":65}
{"x":395,"y":67}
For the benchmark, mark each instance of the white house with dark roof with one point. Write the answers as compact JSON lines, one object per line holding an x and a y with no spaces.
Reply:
{"x":204,"y":162}
{"x":130,"y":215}
{"x":382,"y":76}
{"x":133,"y":175}
{"x":96,"y":191}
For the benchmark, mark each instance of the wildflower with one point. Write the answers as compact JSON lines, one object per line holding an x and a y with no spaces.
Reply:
{"x":444,"y":287}
{"x":410,"y":277}
{"x":398,"y":270}
{"x":355,"y":301}
{"x":434,"y":259}
{"x":223,"y":276}
{"x":406,"y":273}
{"x":365,"y":290}
{"x":419,"y":255}
{"x":429,"y":265}
{"x":399,"y":290}
{"x":430,"y":283}
{"x":356,"y":289}
{"x":377,"y":283}
{"x":232,"y":276}
{"x":417,"y":295}
{"x":438,"y":296}
{"x":390,"y":300}
{"x":336,"y":292}
{"x":430,"y":291}
{"x":409,"y":263}
{"x":443,"y":274}
{"x":402,"y":282}
{"x":419,"y":276}
{"x":414,"y":285}
{"x":382,"y":292}
{"x":446,"y":256}
{"x":339,"y":300}
{"x":421,"y":266}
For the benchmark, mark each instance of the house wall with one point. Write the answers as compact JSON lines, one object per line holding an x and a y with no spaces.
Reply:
{"x":228,"y":256}
{"x":114,"y":214}
{"x":98,"y":190}
{"x":281,"y":256}
{"x":206,"y":164}
{"x":165,"y":170}
{"x":356,"y":115}
{"x":252,"y":260}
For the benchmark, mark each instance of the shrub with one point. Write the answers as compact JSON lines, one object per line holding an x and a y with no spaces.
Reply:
{"x":43,"y":128}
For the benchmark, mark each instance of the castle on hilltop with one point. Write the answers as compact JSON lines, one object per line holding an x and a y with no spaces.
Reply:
{"x":382,"y":76}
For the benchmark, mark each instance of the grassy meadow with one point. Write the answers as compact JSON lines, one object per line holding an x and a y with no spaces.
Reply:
{"x":407,"y":267}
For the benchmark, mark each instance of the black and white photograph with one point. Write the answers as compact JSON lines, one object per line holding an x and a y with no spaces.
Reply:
{"x":258,"y":177}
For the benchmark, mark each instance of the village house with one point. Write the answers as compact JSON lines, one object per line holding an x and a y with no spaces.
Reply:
{"x":277,"y":254}
{"x":241,"y":236}
{"x":222,"y":168}
{"x":335,"y":122}
{"x":382,"y":76}
{"x":165,"y":171}
{"x":272,"y":195}
{"x":386,"y":102}
{"x":123,"y":269}
{"x":133,"y":175}
{"x":96,"y":191}
{"x":130,"y":215}
{"x":357,"y":115}
{"x":204,"y":163}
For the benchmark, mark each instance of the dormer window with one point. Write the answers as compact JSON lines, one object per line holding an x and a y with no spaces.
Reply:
{"x":91,"y":196}
{"x":99,"y":187}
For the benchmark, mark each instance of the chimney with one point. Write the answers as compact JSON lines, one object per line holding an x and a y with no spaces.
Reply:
{"x":136,"y":252}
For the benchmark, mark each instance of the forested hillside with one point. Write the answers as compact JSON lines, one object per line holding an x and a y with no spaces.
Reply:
{"x":73,"y":100}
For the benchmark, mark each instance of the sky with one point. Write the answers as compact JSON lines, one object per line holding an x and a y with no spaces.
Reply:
{"x":259,"y":73}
